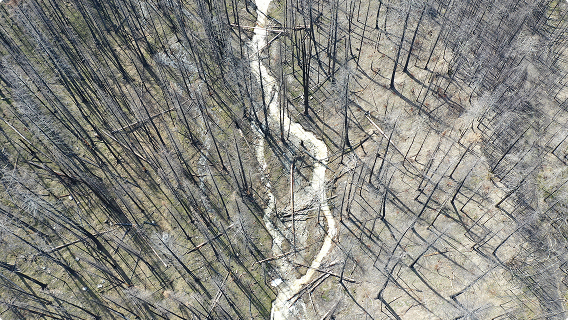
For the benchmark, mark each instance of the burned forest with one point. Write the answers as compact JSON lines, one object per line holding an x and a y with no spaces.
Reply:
{"x":281,"y":159}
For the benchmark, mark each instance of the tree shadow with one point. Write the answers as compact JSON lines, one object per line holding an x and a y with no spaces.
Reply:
{"x":419,"y":108}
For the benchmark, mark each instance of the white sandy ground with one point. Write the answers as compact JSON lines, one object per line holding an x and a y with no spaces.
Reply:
{"x":288,"y":287}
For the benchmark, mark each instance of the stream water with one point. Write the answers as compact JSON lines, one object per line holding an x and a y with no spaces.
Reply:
{"x":283,"y":307}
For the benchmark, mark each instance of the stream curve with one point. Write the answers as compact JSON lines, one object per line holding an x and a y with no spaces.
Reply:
{"x":283,"y":306}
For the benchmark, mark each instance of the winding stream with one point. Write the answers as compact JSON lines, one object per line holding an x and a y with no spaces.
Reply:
{"x":283,"y":306}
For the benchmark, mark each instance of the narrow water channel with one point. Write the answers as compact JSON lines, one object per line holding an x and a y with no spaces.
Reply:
{"x":288,"y":286}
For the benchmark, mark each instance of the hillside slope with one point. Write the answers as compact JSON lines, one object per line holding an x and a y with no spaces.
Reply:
{"x":193,"y":159}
